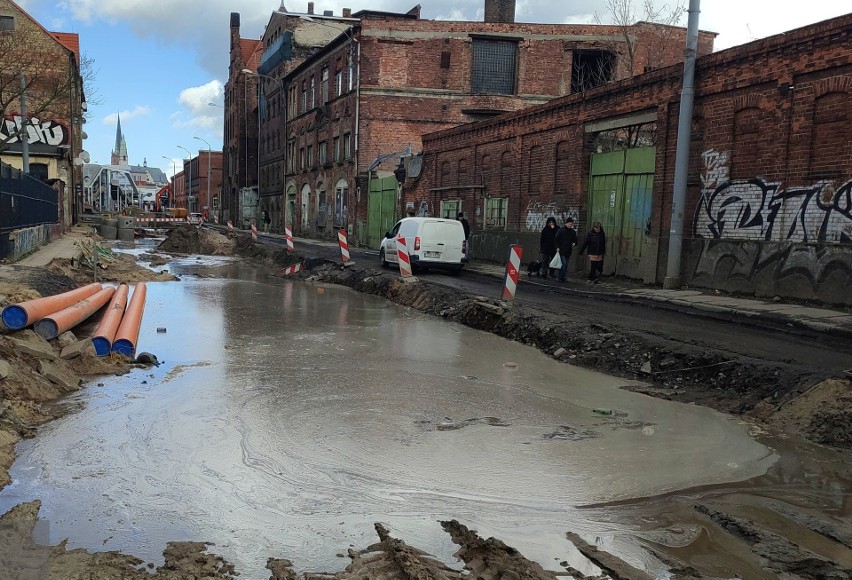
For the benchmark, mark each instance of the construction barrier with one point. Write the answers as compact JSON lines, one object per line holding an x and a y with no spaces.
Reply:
{"x":344,"y":245}
{"x":105,"y":332}
{"x":513,"y":267}
{"x":254,"y":231}
{"x":230,"y":227}
{"x":18,"y":316}
{"x":290,"y":270}
{"x":143,"y":222}
{"x":216,"y":219}
{"x":55,"y":324}
{"x":288,"y":233}
{"x":128,"y":331}
{"x":403,"y":258}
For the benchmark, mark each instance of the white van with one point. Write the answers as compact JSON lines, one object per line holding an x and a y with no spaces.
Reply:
{"x":431,"y":242}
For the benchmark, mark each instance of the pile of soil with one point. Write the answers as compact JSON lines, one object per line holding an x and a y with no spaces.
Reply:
{"x":188,"y":239}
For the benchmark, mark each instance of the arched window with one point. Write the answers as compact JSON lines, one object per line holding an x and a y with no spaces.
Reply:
{"x":831,"y":143}
{"x":560,"y":175}
{"x":463,"y":176}
{"x":508,"y":179}
{"x":445,"y":174}
{"x":745,"y":154}
{"x":534,"y":170}
{"x":341,"y":204}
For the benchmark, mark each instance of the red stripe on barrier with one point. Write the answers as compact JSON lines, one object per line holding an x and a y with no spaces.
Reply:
{"x":289,"y":235}
{"x":344,"y":245}
{"x":403,"y":258}
{"x":513,"y":267}
{"x":254,"y":231}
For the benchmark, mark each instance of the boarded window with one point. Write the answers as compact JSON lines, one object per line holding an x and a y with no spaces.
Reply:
{"x":496,"y":210}
{"x":445,"y":59}
{"x":534,"y":170}
{"x":560,"y":175}
{"x":831,"y":149}
{"x":746,"y":150}
{"x":494,"y":66}
{"x":7,"y":23}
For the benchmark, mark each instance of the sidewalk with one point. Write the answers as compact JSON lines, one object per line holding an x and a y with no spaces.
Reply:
{"x":63,"y":248}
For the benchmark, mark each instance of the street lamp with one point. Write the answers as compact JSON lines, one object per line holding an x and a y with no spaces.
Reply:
{"x":208,"y":171}
{"x":281,"y":91}
{"x":189,"y":188}
{"x":174,"y":173}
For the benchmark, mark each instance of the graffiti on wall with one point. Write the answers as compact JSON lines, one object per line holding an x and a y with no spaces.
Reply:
{"x":758,"y":209}
{"x":538,"y":212}
{"x":38,"y":131}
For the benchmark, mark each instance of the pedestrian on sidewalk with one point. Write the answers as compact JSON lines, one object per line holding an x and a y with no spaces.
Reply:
{"x":595,"y":243}
{"x":566,"y":239}
{"x":465,"y":225}
{"x":547,"y":246}
{"x":265,"y":220}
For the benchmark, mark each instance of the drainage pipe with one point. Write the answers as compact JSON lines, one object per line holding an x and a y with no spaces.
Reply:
{"x":55,"y":324}
{"x":18,"y":316}
{"x":105,"y":333}
{"x":128,"y":330}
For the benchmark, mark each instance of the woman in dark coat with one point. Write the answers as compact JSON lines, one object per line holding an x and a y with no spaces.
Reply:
{"x":595,"y":242}
{"x":547,"y":246}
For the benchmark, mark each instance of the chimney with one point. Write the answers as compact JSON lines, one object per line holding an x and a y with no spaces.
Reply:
{"x":328,"y":12}
{"x":500,"y":11}
{"x":235,"y":19}
{"x":347,"y":13}
{"x":310,"y":7}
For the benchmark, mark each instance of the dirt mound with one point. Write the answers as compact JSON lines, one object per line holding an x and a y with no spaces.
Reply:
{"x":188,"y":239}
{"x":823,"y":413}
{"x":19,"y":283}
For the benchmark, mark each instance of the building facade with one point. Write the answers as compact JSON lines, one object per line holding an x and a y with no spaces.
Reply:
{"x":356,"y":92}
{"x":44,"y":68}
{"x":769,"y":205}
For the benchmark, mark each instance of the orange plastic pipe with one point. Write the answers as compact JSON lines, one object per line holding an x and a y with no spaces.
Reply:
{"x":128,"y":330}
{"x":105,"y":333}
{"x":18,"y":316}
{"x":55,"y":324}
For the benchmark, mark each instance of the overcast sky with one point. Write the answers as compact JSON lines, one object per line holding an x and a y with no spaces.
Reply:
{"x":161,"y":61}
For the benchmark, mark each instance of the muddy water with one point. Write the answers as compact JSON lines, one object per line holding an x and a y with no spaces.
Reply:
{"x":288,"y":417}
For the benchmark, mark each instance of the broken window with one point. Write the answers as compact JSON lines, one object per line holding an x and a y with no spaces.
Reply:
{"x":591,"y":68}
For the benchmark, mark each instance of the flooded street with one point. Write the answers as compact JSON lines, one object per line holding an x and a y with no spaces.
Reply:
{"x":287,"y":417}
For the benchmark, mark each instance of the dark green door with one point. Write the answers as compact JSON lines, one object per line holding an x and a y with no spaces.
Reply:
{"x":621,"y":198}
{"x":381,"y":209}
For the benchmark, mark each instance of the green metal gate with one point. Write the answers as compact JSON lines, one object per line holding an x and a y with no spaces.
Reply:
{"x":621,"y":197}
{"x":381,"y":209}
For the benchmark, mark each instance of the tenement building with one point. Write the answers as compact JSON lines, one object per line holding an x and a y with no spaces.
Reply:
{"x":343,"y":97}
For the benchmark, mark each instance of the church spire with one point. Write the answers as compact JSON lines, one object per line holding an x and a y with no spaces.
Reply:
{"x":117,"y":134}
{"x":119,"y":154}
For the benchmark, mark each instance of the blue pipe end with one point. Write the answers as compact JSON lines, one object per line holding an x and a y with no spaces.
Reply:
{"x":102,"y":346}
{"x":14,"y":317}
{"x":124,"y":346}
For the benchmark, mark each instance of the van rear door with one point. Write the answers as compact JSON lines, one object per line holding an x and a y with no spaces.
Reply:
{"x":442,"y":241}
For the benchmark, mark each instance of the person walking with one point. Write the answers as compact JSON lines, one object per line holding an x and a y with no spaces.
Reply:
{"x":266,"y":220}
{"x":547,"y":246}
{"x":595,"y":243}
{"x":566,"y":239}
{"x":465,"y":225}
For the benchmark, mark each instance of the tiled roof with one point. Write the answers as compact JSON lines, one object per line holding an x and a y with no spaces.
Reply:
{"x":70,"y":40}
{"x":251,"y":51}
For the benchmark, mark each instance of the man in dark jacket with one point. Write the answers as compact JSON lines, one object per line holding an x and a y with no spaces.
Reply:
{"x":595,"y":242}
{"x":547,"y":246}
{"x":465,"y":225}
{"x":566,"y":239}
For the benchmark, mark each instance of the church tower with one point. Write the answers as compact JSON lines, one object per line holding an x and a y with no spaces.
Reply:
{"x":119,"y":154}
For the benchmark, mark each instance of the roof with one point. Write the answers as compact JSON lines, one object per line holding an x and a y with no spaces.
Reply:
{"x":51,"y":34}
{"x":251,"y":50}
{"x":70,"y":40}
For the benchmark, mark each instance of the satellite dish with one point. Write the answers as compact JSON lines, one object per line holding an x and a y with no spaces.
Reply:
{"x":84,"y":155}
{"x":78,"y":161}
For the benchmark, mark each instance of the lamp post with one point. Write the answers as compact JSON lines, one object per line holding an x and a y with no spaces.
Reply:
{"x":189,"y":182}
{"x":174,"y":172}
{"x":281,"y":91}
{"x":208,"y":171}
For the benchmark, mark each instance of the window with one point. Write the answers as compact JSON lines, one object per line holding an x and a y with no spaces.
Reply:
{"x":302,"y":158}
{"x":7,"y":23}
{"x":310,"y":156}
{"x":323,"y":152}
{"x":495,"y":212}
{"x":347,"y":146}
{"x":312,"y":94}
{"x":450,"y":209}
{"x":341,"y":203}
{"x":337,"y":148}
{"x":494,"y":66}
{"x":351,"y":71}
{"x":291,"y":156}
{"x":324,"y":84}
{"x":338,"y":82}
{"x":304,"y":96}
{"x":591,"y":68}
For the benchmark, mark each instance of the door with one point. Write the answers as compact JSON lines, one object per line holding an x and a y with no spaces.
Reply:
{"x":306,"y":204}
{"x":381,"y":209}
{"x":621,"y":198}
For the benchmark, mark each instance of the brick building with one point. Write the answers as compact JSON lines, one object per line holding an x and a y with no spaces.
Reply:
{"x":769,"y":190}
{"x":49,"y":63}
{"x":206,"y":187}
{"x":361,"y":89}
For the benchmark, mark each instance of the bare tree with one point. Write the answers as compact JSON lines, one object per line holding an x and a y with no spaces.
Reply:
{"x":50,"y":81}
{"x":89,"y":75}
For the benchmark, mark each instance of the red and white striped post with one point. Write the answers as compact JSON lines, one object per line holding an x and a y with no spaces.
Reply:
{"x":344,"y":245}
{"x":513,"y":268}
{"x":288,"y":233}
{"x":216,"y":218}
{"x":230,"y":227}
{"x":289,"y":270}
{"x":403,"y":258}
{"x":254,"y":231}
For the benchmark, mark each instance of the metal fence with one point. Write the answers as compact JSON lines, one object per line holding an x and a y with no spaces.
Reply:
{"x":25,"y":201}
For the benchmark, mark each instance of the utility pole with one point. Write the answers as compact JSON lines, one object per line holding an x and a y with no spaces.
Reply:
{"x":25,"y":134}
{"x":684,"y":131}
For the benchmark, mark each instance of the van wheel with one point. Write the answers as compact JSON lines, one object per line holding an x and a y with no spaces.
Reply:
{"x":382,"y":258}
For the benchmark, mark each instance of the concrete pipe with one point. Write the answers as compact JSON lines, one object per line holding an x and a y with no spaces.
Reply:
{"x":128,"y":331}
{"x":18,"y":316}
{"x":55,"y":324}
{"x":126,"y":235}
{"x":111,"y":222}
{"x":105,"y":333}
{"x":125,"y":222}
{"x":108,"y":232}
